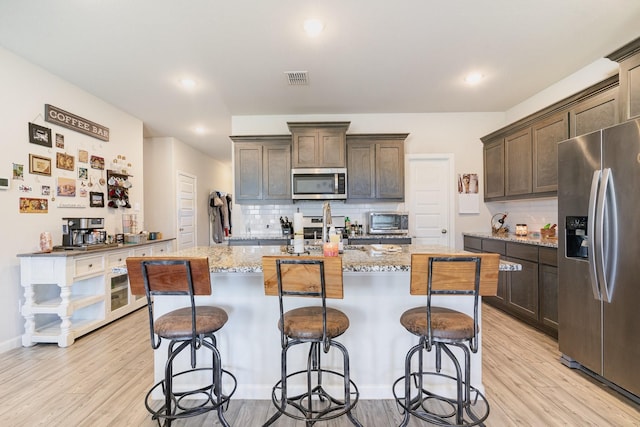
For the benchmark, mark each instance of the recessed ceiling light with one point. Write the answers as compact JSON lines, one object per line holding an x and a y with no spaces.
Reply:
{"x":187,"y":83}
{"x":313,"y":27}
{"x":200,"y":130}
{"x":473,"y":78}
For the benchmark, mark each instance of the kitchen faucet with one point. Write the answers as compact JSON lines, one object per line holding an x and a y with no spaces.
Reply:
{"x":326,"y":221}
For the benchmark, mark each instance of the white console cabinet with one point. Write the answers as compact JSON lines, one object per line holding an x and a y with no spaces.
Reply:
{"x":71,"y":293}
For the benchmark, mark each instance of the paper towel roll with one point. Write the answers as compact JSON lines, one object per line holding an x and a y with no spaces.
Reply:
{"x":298,"y":244}
{"x":297,"y":223}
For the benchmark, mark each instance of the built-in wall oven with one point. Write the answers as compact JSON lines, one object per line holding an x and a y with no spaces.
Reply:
{"x":319,"y":183}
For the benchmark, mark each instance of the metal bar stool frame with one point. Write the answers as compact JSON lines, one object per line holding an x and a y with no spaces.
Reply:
{"x":335,"y":407}
{"x":464,"y":402}
{"x":214,"y":399}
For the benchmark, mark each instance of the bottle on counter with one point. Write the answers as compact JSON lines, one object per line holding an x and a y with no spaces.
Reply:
{"x":360,"y":231}
{"x":347,"y":223}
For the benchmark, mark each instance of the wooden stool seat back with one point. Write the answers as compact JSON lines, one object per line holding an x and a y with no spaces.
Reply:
{"x":454,"y":276}
{"x":303,"y":279}
{"x":169,"y":278}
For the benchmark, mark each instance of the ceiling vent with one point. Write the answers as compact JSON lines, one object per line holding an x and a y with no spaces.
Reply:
{"x":297,"y":78}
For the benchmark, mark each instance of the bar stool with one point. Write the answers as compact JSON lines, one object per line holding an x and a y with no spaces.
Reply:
{"x":318,"y":325}
{"x":441,"y":329}
{"x":189,"y":328}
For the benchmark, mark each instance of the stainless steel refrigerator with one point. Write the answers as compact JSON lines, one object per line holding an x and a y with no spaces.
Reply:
{"x":599,"y":255}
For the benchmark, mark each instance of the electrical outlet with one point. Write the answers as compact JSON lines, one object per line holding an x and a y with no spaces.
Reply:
{"x":267,"y":225}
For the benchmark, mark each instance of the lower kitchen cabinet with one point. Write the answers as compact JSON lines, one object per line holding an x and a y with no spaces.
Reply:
{"x":531,"y":294}
{"x":548,"y":282}
{"x":69,"y":294}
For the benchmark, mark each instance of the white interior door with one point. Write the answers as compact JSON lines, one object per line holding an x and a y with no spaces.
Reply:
{"x":186,"y":211}
{"x":430,"y":196}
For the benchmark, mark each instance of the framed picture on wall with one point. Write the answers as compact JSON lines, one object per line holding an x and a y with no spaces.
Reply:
{"x":40,"y":135}
{"x":96,"y":199}
{"x":39,"y":165}
{"x":65,"y":161}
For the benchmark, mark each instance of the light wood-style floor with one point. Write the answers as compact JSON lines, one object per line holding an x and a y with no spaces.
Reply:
{"x":102,"y":379}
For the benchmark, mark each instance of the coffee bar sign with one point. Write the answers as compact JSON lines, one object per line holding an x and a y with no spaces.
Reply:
{"x":71,"y":121}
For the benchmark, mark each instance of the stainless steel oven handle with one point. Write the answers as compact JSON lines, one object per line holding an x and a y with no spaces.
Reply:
{"x":591,"y":234}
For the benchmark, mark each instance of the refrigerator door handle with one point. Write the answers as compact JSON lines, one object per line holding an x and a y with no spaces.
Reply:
{"x":605,"y":244}
{"x":591,"y":234}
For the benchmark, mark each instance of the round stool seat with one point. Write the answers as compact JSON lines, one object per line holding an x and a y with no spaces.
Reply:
{"x":306,"y":323}
{"x":445,"y":323}
{"x":176,"y":324}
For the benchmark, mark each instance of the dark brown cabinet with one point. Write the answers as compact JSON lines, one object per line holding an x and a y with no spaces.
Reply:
{"x":546,"y":135}
{"x":517,"y":163}
{"x":548,"y":280}
{"x":520,"y":160}
{"x":597,"y":112}
{"x":531,"y":294}
{"x":318,"y":144}
{"x":630,"y":83}
{"x":629,"y":58}
{"x":522,"y":287}
{"x":375,"y":165}
{"x":494,"y":169}
{"x":262,"y":168}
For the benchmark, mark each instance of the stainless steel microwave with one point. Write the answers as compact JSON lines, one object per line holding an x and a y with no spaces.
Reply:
{"x":388,"y":223}
{"x":318,"y":183}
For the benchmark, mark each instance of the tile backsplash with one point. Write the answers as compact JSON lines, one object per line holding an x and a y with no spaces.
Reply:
{"x":535,"y":213}
{"x":265,"y":219}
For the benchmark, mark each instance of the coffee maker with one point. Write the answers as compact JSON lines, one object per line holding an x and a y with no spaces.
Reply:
{"x":81,"y":233}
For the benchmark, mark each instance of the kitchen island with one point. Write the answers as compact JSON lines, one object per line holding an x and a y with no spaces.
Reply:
{"x":376,"y":293}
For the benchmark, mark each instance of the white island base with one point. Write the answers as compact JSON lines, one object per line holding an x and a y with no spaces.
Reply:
{"x":374,"y":301}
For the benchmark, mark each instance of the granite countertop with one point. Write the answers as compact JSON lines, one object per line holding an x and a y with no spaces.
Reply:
{"x":356,"y":258}
{"x":509,"y":237}
{"x":285,"y":238}
{"x":97,"y":250}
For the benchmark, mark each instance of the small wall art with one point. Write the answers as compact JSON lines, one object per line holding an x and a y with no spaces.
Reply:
{"x":59,"y":140}
{"x":96,"y":199}
{"x":18,"y":171}
{"x":97,"y":162}
{"x":39,"y":165}
{"x":39,"y":135}
{"x":46,"y":190}
{"x":83,"y":173}
{"x":29,"y":205}
{"x":83,"y":156}
{"x":66,"y":187}
{"x":65,"y":161}
{"x":468,"y":198}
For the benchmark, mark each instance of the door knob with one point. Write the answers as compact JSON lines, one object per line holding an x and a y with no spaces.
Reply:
{"x":443,"y":231}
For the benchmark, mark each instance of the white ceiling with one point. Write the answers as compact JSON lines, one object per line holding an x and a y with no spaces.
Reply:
{"x":375,"y":56}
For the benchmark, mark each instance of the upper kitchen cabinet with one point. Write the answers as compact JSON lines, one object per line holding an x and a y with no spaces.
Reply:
{"x":546,"y":135}
{"x":629,"y":58}
{"x":517,"y":153}
{"x":375,"y":167}
{"x":520,"y":160}
{"x":318,"y":144}
{"x":594,"y":113}
{"x":494,"y":169}
{"x":262,"y":167}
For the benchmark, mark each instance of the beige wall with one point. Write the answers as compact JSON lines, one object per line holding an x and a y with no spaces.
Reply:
{"x":164,"y":158}
{"x":25,"y":90}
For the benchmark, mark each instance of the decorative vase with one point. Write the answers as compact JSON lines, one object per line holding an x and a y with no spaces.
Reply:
{"x":45,"y":242}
